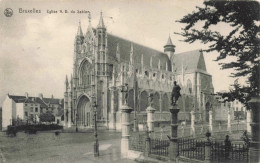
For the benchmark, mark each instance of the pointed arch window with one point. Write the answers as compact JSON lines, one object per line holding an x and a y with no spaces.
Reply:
{"x":189,"y":86}
{"x":85,"y":74}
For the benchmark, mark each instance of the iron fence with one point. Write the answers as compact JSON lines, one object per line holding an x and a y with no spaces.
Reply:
{"x":160,"y":147}
{"x":234,"y":153}
{"x":191,"y":148}
{"x":137,"y":143}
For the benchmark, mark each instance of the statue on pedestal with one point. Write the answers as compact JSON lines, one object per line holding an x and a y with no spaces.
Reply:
{"x":125,"y":90}
{"x":150,"y":99}
{"x":175,"y":93}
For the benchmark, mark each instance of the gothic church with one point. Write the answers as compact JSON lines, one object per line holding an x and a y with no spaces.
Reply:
{"x":104,"y":63}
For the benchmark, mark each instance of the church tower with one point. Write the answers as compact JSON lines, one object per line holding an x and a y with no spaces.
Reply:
{"x":102,"y":72}
{"x":169,"y":48}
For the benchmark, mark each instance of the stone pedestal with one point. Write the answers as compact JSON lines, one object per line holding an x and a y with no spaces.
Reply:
{"x":254,"y":150}
{"x":210,"y":122}
{"x":229,"y":122}
{"x":150,"y":118}
{"x":248,"y":121}
{"x":125,"y":122}
{"x":173,"y":149}
{"x":192,"y":131}
{"x":207,"y":151}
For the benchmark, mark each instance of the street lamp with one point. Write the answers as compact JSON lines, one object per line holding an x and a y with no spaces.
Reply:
{"x":77,"y":122}
{"x":96,"y":145}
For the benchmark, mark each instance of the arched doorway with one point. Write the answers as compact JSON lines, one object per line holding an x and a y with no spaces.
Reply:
{"x":207,"y":111}
{"x":144,"y":101}
{"x":83,"y":111}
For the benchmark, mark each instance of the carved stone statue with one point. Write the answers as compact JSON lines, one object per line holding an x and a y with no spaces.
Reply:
{"x":175,"y":93}
{"x":125,"y":90}
{"x":150,"y":99}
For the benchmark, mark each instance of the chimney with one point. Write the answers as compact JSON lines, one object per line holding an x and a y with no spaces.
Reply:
{"x":26,"y":95}
{"x":52,"y":96}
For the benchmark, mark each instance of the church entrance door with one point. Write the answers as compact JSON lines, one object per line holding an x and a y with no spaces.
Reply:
{"x":84,"y":112}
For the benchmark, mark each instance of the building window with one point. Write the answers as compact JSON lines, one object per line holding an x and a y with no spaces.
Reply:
{"x":162,"y":76}
{"x":154,"y":74}
{"x":236,"y":108}
{"x":26,"y":113}
{"x":36,"y":109}
{"x":25,"y":104}
{"x":146,"y":73}
{"x":31,"y":109}
{"x":31,"y":104}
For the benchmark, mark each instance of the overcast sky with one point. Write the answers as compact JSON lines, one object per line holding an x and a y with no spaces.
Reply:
{"x":36,"y":50}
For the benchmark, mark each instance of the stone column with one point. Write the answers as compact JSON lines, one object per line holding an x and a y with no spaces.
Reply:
{"x":210,"y":122}
{"x":254,"y":150}
{"x":112,"y":120}
{"x":248,"y":121}
{"x":150,"y":118}
{"x":173,"y":149}
{"x":125,"y":122}
{"x":192,"y":131}
{"x":207,"y":151}
{"x":229,"y":122}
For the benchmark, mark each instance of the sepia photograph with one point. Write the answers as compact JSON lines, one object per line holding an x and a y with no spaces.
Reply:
{"x":129,"y":81}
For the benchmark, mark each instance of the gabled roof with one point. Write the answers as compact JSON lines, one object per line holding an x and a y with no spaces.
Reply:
{"x":190,"y":61}
{"x":44,"y":103}
{"x":138,"y":51}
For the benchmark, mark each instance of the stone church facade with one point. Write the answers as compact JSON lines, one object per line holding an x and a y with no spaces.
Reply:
{"x":104,"y":63}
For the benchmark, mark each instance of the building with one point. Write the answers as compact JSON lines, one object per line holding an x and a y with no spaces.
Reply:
{"x":28,"y":109}
{"x":239,"y":109}
{"x":103,"y":63}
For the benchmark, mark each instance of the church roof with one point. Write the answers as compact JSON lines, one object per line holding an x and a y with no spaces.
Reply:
{"x":190,"y":61}
{"x":138,"y":51}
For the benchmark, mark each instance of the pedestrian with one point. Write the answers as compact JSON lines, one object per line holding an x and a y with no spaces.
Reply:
{"x":227,"y":147}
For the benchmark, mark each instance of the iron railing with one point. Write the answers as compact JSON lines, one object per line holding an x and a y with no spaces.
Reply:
{"x":137,"y":143}
{"x":234,"y":153}
{"x":191,"y":148}
{"x":160,"y":147}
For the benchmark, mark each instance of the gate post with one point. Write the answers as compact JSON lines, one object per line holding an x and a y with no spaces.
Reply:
{"x":210,"y":122}
{"x":248,"y":121}
{"x":254,"y":149}
{"x":173,"y":149}
{"x":229,"y":122}
{"x":150,"y":118}
{"x":125,"y":122}
{"x":192,"y":123}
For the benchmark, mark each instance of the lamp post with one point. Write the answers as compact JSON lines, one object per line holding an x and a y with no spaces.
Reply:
{"x":96,"y":145}
{"x":77,"y":122}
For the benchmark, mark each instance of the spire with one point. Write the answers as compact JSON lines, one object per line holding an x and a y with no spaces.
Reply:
{"x":169,"y":42}
{"x":79,"y":33}
{"x":89,"y":22}
{"x":117,"y":52}
{"x":151,"y":62}
{"x":101,"y":21}
{"x":131,"y":54}
{"x":71,"y":80}
{"x":66,"y":83}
